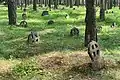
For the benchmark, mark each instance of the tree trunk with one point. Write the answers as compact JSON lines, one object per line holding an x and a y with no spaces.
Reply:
{"x":28,"y":2}
{"x":35,"y":5}
{"x":111,"y":1}
{"x":25,"y":3}
{"x":67,"y":3}
{"x":31,"y":1}
{"x":77,"y":3}
{"x":82,"y":2}
{"x":60,"y":2}
{"x":46,"y":3}
{"x":71,"y":3}
{"x":90,"y":20}
{"x":50,"y":2}
{"x":102,"y":10}
{"x":55,"y":4}
{"x":119,"y":4}
{"x":21,"y":4}
{"x":114,"y":3}
{"x":105,"y":4}
{"x":18,"y":3}
{"x":12,"y":12}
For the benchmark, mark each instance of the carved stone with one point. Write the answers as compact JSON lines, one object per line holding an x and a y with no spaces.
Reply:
{"x":23,"y":24}
{"x":74,"y":31}
{"x":94,"y":53}
{"x":45,"y":13}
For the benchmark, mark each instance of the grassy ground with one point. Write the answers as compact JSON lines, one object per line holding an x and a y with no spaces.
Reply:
{"x":57,"y":56}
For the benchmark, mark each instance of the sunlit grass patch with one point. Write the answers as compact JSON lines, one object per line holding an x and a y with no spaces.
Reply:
{"x":7,"y":65}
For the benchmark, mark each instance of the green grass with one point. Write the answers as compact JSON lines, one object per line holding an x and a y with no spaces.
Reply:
{"x":55,"y":38}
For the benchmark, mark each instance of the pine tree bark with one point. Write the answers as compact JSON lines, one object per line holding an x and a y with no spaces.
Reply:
{"x":18,"y":3}
{"x":25,"y":3}
{"x":46,"y":3}
{"x":67,"y":3}
{"x":55,"y":4}
{"x":12,"y":12}
{"x":106,"y":4}
{"x":83,"y":2}
{"x":28,"y":2}
{"x":50,"y":3}
{"x":71,"y":3}
{"x":60,"y":2}
{"x":114,"y":3}
{"x":35,"y":5}
{"x":21,"y":4}
{"x":77,"y":3}
{"x":102,"y":10}
{"x":119,"y":4}
{"x":111,"y":1}
{"x":90,"y":20}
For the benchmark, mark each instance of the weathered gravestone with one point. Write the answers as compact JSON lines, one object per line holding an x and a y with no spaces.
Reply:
{"x":33,"y":37}
{"x":94,"y":54}
{"x":99,"y":28}
{"x":50,"y":22}
{"x":24,"y":16}
{"x":23,"y":24}
{"x":113,"y":25}
{"x":74,"y":31}
{"x":45,"y":13}
{"x":67,"y":16}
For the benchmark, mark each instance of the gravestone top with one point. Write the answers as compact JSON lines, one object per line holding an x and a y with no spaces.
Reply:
{"x":93,"y":50}
{"x":94,"y":54}
{"x":45,"y":13}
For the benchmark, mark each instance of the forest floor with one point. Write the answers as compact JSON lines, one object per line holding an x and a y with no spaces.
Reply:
{"x":57,"y":56}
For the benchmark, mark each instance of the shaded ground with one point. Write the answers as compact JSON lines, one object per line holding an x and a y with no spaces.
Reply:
{"x":76,"y":66}
{"x":61,"y":66}
{"x":56,"y":60}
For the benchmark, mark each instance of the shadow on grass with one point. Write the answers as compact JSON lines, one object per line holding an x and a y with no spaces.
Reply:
{"x":110,"y":37}
{"x":84,"y":72}
{"x":110,"y":40}
{"x":58,"y":40}
{"x":81,"y":72}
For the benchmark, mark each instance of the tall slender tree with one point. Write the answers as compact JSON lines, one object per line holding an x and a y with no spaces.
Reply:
{"x":114,"y":3}
{"x":46,"y":3}
{"x":90,"y":20}
{"x":106,"y":1}
{"x":77,"y":3}
{"x":18,"y":3}
{"x":55,"y":4}
{"x":21,"y":4}
{"x":102,"y":10}
{"x":35,"y":5}
{"x":25,"y":3}
{"x":50,"y":3}
{"x":28,"y":2}
{"x":71,"y":3}
{"x":111,"y":4}
{"x":119,"y":4}
{"x":60,"y":2}
{"x":83,"y":2}
{"x":12,"y":12}
{"x":67,"y":3}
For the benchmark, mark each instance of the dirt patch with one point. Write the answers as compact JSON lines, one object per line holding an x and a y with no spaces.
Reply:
{"x":59,"y":60}
{"x":6,"y":66}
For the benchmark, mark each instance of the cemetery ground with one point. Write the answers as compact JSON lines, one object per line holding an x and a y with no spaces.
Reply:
{"x":57,"y":56}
